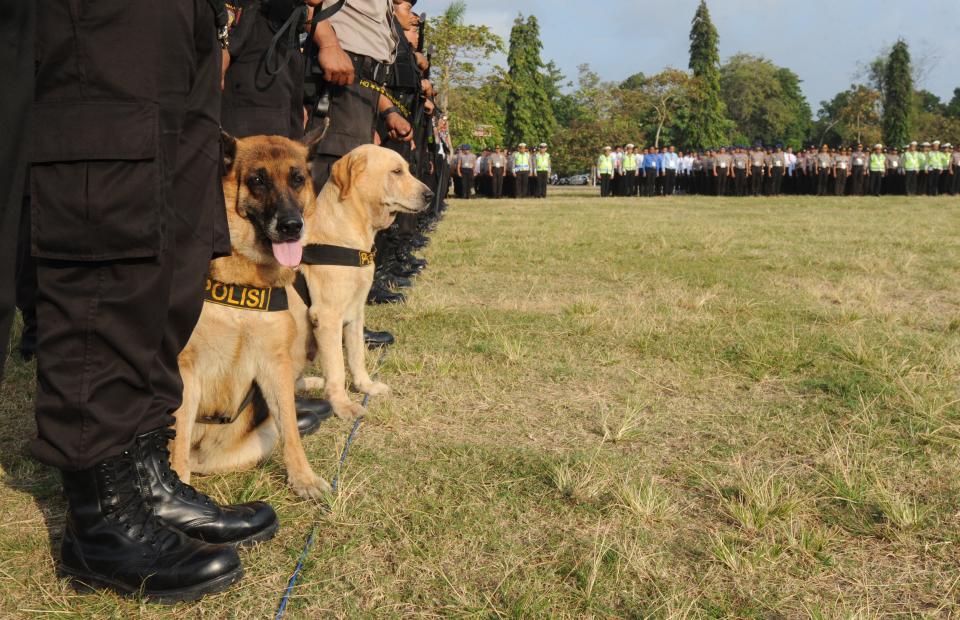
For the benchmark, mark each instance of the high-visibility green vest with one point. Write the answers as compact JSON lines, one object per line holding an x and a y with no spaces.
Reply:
{"x":911,"y":161}
{"x":605,"y":165}
{"x":924,"y":161}
{"x":936,"y":161}
{"x":629,"y":162}
{"x":878,"y":162}
{"x":542,"y":161}
{"x":521,"y":162}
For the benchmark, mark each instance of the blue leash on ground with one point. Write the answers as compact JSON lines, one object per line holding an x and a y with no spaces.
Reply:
{"x":292,"y":582}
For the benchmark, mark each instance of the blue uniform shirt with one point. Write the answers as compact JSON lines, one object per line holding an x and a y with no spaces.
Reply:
{"x":671,"y":161}
{"x":651,"y":160}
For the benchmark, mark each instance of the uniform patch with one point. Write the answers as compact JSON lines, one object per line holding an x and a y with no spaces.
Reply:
{"x":233,"y":15}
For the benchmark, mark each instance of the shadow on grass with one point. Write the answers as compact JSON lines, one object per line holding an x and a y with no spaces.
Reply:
{"x":22,"y":474}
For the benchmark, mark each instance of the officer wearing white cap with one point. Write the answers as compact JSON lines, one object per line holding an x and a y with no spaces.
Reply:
{"x":935,"y":167}
{"x":878,"y":169}
{"x":911,"y":168}
{"x":541,"y":161}
{"x":605,"y":171}
{"x":629,"y":166}
{"x":521,"y":169}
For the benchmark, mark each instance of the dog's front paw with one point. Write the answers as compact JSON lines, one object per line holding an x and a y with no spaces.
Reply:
{"x":346,"y":410}
{"x":374,"y":388}
{"x":311,"y":486}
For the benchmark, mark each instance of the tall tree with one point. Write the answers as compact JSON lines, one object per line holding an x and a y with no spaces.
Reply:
{"x":707,"y":125}
{"x":764,"y":101}
{"x":459,"y":49}
{"x":898,"y":96}
{"x":529,"y":114}
{"x":953,"y":108}
{"x":852,"y":116}
{"x":665,"y":92}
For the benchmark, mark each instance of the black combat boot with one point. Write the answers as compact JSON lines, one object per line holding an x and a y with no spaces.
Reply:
{"x":311,"y":412}
{"x":380,"y":294}
{"x":112,"y":539}
{"x":375,"y":340}
{"x":190,"y":511}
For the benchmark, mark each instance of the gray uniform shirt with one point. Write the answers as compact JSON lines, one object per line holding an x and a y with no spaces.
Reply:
{"x":740,"y":160}
{"x":824,"y":160}
{"x":842,"y":163}
{"x":776,"y":160}
{"x":468,"y":161}
{"x":496,"y":162}
{"x":758,"y":159}
{"x":859,"y":158}
{"x":365,"y":28}
{"x":723,"y":161}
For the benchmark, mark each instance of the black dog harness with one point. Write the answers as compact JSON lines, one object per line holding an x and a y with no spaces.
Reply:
{"x":322,"y":254}
{"x":246,"y":297}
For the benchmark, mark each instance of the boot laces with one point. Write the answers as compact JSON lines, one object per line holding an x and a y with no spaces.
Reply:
{"x":130,"y":510}
{"x":169,"y":475}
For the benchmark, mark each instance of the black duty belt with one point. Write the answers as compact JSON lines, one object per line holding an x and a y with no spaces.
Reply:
{"x":369,"y":69}
{"x":245,"y":297}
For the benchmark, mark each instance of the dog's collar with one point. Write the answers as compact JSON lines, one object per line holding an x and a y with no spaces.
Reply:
{"x":245,"y":297}
{"x":322,"y":254}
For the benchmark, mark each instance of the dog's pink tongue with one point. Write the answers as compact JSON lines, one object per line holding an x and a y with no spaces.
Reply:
{"x":289,"y":253}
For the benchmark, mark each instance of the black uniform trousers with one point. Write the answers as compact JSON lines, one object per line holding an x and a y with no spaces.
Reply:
{"x":353,"y":116}
{"x":669,"y":181}
{"x":523,"y":183}
{"x":497,"y":182}
{"x":543,"y":179}
{"x":466,"y":183}
{"x":856,"y":181}
{"x":740,"y":181}
{"x":649,"y":181}
{"x":630,"y":181}
{"x":756,"y":180}
{"x":722,"y":179}
{"x":604,"y":185}
{"x":876,"y":182}
{"x":776,"y":180}
{"x":127,"y":212}
{"x":933,"y":183}
{"x":823,"y":180}
{"x":954,"y":180}
{"x":911,"y":182}
{"x":16,"y":84}
{"x":840,"y":182}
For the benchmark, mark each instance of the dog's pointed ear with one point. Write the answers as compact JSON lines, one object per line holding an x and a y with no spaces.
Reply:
{"x":228,"y":145}
{"x":346,"y":171}
{"x":313,"y":139}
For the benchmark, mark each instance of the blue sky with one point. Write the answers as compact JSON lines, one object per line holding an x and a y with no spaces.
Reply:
{"x":823,"y":41}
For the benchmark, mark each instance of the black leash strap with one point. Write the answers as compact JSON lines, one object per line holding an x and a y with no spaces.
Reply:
{"x":322,"y":254}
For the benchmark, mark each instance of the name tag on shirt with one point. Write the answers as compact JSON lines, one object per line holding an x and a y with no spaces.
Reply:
{"x":843,"y":165}
{"x":723,"y":165}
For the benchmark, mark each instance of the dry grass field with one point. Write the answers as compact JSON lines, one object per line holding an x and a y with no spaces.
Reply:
{"x":681,"y":408}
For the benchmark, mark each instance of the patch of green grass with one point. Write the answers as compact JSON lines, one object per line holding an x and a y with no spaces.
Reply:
{"x":676,"y":408}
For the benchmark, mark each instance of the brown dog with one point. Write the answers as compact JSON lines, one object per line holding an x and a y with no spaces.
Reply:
{"x":245,"y":333}
{"x":367,"y":189}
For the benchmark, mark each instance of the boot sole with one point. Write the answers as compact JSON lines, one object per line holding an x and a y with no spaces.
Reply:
{"x":262,"y":536}
{"x":88,"y":582}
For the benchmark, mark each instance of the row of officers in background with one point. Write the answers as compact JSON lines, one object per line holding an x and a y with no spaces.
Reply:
{"x":499,"y":173}
{"x":919,"y":169}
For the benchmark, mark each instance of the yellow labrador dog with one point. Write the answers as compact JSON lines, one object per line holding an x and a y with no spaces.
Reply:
{"x":246,"y":330}
{"x":367,"y":189}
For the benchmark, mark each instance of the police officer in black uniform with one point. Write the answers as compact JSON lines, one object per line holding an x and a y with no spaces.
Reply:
{"x":125,"y":190}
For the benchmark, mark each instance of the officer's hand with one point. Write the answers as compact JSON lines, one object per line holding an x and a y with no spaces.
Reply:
{"x":398,"y":128}
{"x":429,"y":107}
{"x":337,"y":66}
{"x":422,"y":63}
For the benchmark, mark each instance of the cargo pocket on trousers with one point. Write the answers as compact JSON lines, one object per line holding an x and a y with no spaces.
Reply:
{"x":96,"y":181}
